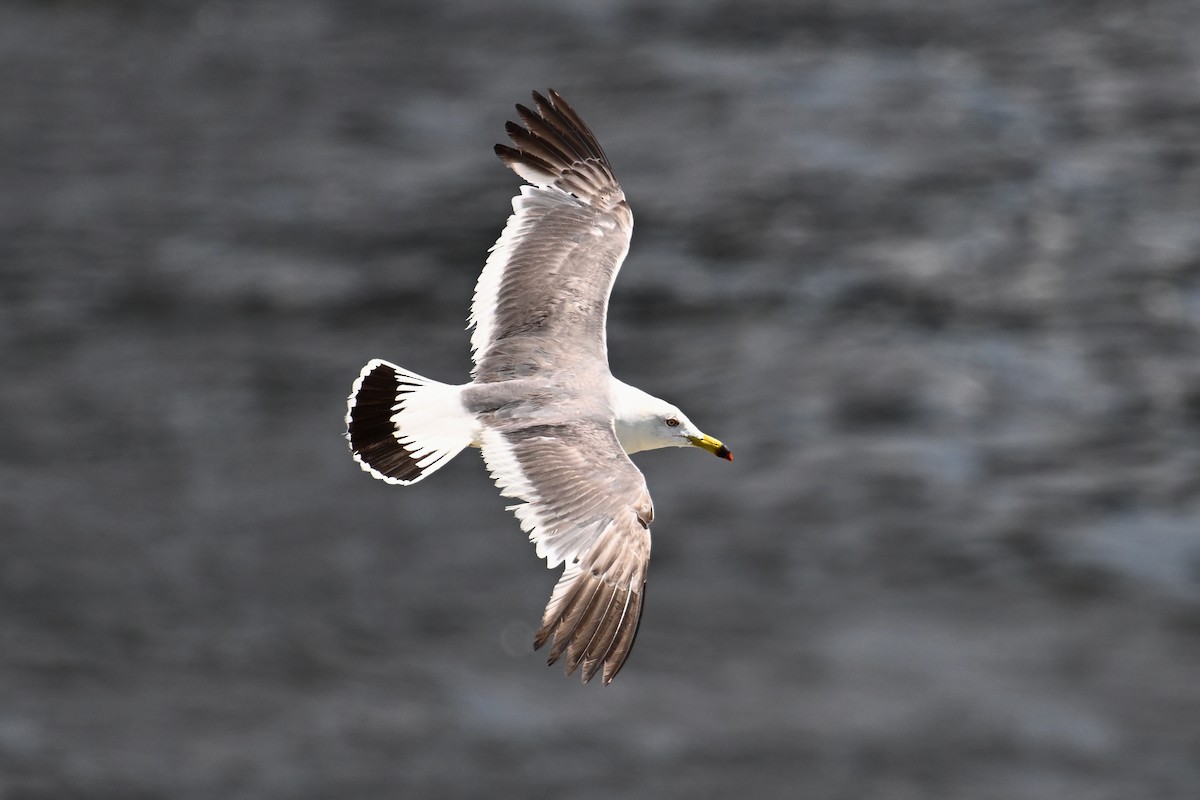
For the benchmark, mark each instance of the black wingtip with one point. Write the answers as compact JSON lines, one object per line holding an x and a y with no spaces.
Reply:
{"x":555,"y":140}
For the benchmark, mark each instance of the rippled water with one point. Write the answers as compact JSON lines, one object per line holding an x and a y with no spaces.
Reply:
{"x":932,"y":272}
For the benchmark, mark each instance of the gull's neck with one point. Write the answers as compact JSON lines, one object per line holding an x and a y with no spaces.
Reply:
{"x":634,"y":411}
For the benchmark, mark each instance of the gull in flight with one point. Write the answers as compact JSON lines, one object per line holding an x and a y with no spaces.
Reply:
{"x":553,"y":424}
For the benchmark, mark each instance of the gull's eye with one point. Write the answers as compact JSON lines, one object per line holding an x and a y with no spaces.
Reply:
{"x":672,"y":422}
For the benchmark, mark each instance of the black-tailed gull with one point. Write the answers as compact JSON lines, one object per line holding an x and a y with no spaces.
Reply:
{"x":554,"y":425}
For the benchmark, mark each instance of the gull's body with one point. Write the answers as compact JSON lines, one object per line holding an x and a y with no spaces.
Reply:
{"x":554,"y":425}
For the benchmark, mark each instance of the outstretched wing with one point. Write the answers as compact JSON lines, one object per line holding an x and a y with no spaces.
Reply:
{"x":547,"y":279}
{"x":585,"y":505}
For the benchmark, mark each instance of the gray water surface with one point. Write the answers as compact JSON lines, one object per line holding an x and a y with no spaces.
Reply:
{"x":931,"y":271}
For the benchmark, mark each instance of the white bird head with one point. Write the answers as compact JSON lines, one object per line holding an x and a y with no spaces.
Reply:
{"x":645,"y":422}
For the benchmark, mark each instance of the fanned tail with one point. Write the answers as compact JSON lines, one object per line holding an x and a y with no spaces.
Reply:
{"x":401,"y":426}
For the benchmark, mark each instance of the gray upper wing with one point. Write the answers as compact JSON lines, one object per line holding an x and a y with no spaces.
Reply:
{"x":542,"y":297}
{"x":585,"y":505}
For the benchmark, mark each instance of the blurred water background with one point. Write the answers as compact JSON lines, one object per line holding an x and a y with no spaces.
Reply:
{"x":931,"y":270}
